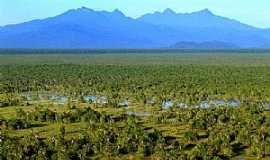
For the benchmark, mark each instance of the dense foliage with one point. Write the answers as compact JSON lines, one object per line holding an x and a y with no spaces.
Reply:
{"x":79,"y":111}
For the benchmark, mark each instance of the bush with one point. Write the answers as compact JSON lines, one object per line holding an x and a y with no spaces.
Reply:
{"x":18,"y":124}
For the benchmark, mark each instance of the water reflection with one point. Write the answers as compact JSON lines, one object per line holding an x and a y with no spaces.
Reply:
{"x":204,"y":105}
{"x":167,"y":104}
{"x":181,"y":105}
{"x":219,"y":103}
{"x":233,"y":103}
{"x":124,"y":103}
{"x":90,"y":98}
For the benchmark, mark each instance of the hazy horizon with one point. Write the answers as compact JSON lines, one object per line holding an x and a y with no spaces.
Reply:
{"x":18,"y":11}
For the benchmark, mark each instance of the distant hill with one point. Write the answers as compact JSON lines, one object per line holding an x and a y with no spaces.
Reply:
{"x":87,"y":28}
{"x":204,"y":45}
{"x":201,"y":19}
{"x":206,"y":26}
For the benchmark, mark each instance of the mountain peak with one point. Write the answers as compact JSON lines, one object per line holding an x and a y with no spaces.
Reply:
{"x":84,"y":9}
{"x":77,"y":11}
{"x":205,"y":11}
{"x":168,"y":11}
{"x":118,"y":12}
{"x":88,"y":28}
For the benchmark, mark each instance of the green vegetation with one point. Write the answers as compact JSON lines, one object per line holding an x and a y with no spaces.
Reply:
{"x":125,"y":106}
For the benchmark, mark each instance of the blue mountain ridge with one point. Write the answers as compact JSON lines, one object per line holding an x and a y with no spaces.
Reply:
{"x":87,"y":28}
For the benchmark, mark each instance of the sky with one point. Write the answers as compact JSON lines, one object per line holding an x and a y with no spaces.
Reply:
{"x":256,"y":13}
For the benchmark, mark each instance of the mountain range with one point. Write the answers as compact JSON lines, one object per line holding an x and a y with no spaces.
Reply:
{"x":87,"y":28}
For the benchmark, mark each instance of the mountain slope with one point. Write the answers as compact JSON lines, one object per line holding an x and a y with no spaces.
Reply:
{"x":86,"y":28}
{"x":201,"y":19}
{"x":81,"y":28}
{"x":205,"y":26}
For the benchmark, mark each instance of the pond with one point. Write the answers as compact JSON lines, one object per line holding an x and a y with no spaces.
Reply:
{"x":45,"y":96}
{"x":124,"y":103}
{"x":103,"y":100}
{"x":219,"y":103}
{"x":181,"y":105}
{"x":233,"y":103}
{"x":167,"y":104}
{"x":204,"y":105}
{"x":61,"y":100}
{"x":90,"y":98}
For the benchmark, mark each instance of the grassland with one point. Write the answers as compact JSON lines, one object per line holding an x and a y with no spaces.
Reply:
{"x":246,"y":59}
{"x":205,"y":82}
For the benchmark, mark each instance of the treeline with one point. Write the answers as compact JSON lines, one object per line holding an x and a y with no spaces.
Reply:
{"x":127,"y":51}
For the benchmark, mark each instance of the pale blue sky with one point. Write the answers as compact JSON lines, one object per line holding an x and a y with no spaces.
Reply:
{"x":254,"y":12}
